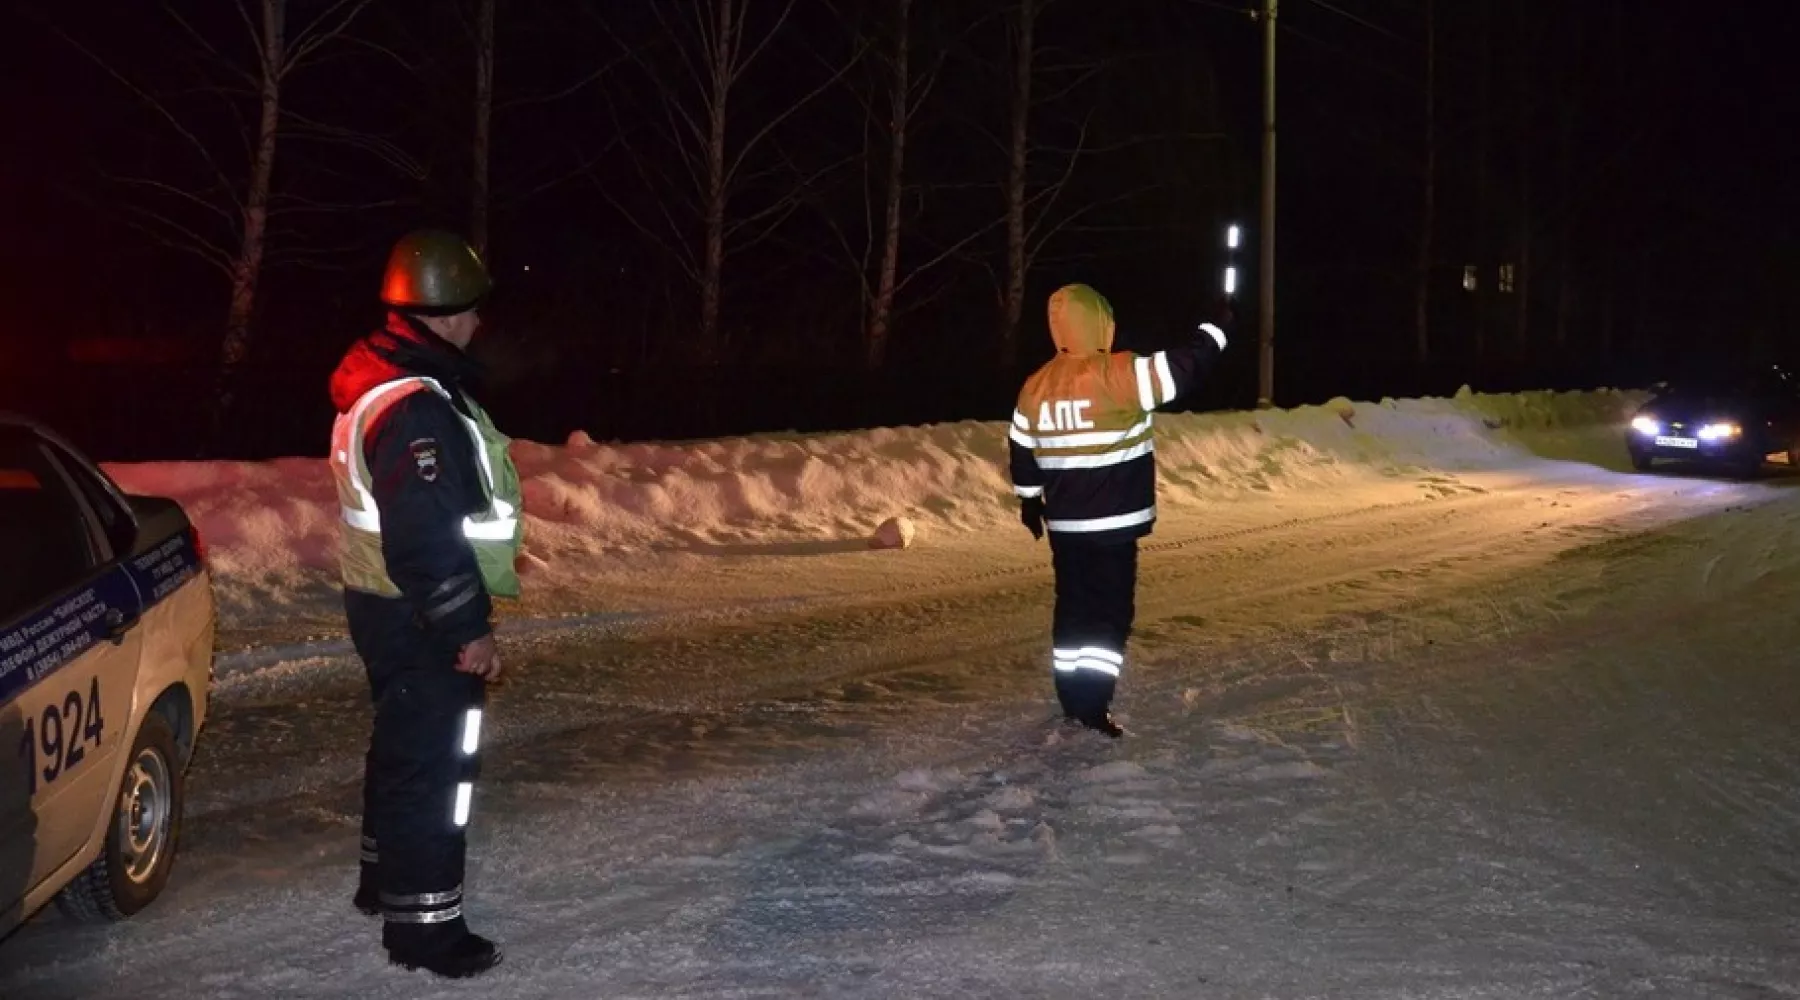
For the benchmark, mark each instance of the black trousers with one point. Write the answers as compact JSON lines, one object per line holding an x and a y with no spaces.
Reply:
{"x":419,"y":772}
{"x":1096,"y":601}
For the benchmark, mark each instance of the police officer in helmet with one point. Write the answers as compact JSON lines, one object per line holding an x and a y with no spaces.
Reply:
{"x":431,"y":523}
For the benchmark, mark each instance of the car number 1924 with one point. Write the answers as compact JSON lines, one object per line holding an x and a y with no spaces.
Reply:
{"x":57,"y":740}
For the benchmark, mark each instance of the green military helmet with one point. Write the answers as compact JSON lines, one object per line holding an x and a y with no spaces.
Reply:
{"x":432,"y":271}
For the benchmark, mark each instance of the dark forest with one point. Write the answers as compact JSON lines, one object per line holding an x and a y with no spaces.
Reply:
{"x":723,"y":216}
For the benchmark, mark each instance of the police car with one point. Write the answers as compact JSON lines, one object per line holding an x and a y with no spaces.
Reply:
{"x":106,"y":645}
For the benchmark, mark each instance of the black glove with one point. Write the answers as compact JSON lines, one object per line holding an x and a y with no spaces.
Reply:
{"x":1031,"y":515}
{"x":1221,"y":314}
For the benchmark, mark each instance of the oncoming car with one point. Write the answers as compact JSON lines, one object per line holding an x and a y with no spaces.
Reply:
{"x":106,"y":645}
{"x":1733,"y":419}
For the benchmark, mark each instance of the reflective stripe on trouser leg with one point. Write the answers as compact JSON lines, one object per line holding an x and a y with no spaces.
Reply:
{"x":1098,"y":659}
{"x":371,"y":853}
{"x":422,"y":907}
{"x":468,"y":746}
{"x":1095,"y":592}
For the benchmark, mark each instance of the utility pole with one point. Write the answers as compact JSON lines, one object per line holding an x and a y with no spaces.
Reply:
{"x":1265,"y":391}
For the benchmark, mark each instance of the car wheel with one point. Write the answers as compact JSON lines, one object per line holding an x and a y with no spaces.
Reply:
{"x":141,"y":839}
{"x":1641,"y":461}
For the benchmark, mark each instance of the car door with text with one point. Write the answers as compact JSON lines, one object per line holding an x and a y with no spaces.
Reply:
{"x":68,"y":661}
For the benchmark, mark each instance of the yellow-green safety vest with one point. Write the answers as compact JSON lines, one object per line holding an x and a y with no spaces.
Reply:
{"x":496,"y":534}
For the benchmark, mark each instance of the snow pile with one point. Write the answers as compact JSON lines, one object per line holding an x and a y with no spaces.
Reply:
{"x":272,"y":534}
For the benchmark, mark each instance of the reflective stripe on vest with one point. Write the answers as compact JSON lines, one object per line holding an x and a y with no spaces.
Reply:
{"x":502,"y":520}
{"x":495,"y":535}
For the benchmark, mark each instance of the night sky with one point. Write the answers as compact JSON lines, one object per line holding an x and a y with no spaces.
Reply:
{"x":1630,"y":159}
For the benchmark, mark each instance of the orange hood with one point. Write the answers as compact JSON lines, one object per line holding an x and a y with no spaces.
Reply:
{"x":1081,"y":320}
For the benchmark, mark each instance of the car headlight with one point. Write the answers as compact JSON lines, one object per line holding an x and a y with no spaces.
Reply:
{"x":1719,"y":431}
{"x":1646,"y":425}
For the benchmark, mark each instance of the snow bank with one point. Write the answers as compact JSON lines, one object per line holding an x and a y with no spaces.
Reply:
{"x":271,"y":526}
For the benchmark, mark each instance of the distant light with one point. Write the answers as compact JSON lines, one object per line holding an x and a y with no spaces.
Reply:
{"x":1231,"y":281}
{"x":1231,"y":237}
{"x":527,"y":267}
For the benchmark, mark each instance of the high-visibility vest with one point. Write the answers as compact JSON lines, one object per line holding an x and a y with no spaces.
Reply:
{"x":496,"y":534}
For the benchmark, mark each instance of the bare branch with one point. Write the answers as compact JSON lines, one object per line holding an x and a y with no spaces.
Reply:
{"x":211,"y":50}
{"x":586,"y":166}
{"x":184,"y":238}
{"x":155,"y":105}
{"x":1131,"y":143}
{"x":1073,"y":85}
{"x":792,"y":109}
{"x":1040,"y":240}
{"x":293,"y":204}
{"x":674,"y":247}
{"x":1053,"y":192}
{"x":741,"y":67}
{"x":785,"y":205}
{"x":569,"y":91}
{"x":255,"y":34}
{"x":317,"y":34}
{"x":358,"y":41}
{"x":385,"y":150}
{"x":179,"y":194}
{"x":953,"y":250}
{"x":696,"y":73}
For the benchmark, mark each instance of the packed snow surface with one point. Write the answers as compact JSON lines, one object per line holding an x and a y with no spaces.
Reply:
{"x":1427,"y":699}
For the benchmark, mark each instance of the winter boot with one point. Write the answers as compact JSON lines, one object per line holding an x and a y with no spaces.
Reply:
{"x":1102,"y":723}
{"x":463,"y":958}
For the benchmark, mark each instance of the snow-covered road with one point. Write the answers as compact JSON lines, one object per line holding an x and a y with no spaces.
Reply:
{"x":1522,"y":732}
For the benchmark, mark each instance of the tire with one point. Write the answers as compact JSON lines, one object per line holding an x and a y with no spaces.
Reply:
{"x":1641,"y":461}
{"x":142,"y":836}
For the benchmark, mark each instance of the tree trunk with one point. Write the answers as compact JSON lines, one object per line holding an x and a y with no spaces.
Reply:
{"x":1013,"y":300}
{"x":712,"y":265}
{"x":899,"y":107}
{"x":1565,"y":258}
{"x":484,"y":115}
{"x":1485,"y":278}
{"x":248,"y":266}
{"x":1428,"y":213}
{"x":1523,"y":146}
{"x":246,"y":271}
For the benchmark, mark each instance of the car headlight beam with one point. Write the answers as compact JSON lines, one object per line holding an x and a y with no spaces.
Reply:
{"x":1646,"y":425}
{"x":1721,"y":431}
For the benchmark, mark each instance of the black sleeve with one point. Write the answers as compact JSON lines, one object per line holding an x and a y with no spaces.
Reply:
{"x":423,"y":475}
{"x":1027,"y":476}
{"x":1166,"y":376}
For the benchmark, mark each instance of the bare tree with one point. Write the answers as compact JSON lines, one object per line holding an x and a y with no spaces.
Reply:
{"x":1522,"y":66}
{"x":484,"y":115}
{"x":891,"y":107}
{"x":1573,"y":93}
{"x":1012,"y":299}
{"x":900,"y":110}
{"x":225,"y":219}
{"x":1428,"y":195}
{"x":1483,"y":145}
{"x":696,"y":87}
{"x":1032,"y":218}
